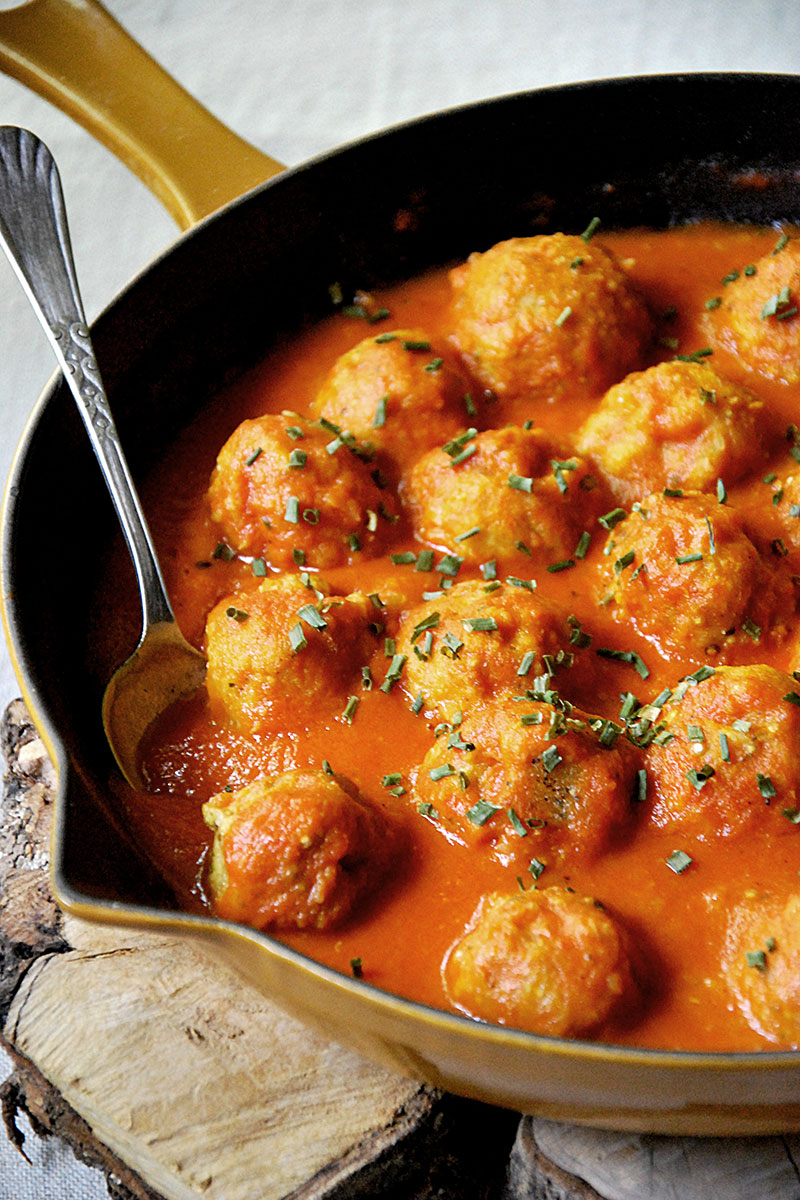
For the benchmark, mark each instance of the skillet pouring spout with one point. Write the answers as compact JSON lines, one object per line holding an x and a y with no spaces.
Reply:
{"x":35,"y":237}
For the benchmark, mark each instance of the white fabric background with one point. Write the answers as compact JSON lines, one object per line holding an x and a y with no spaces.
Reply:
{"x":301,"y":76}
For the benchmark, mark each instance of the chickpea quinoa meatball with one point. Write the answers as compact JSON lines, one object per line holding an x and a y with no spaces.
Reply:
{"x":550,"y":962}
{"x":683,"y":571}
{"x":675,"y":425}
{"x":278,"y":653}
{"x":520,"y":495}
{"x":761,"y":964}
{"x":728,"y":760}
{"x":530,"y":781}
{"x":397,"y":392}
{"x":296,"y":493}
{"x":757,"y":319}
{"x":468,"y":645}
{"x":547,"y":316}
{"x":295,"y":852}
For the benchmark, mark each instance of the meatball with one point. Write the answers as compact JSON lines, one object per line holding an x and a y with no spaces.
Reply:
{"x":295,"y":852}
{"x":757,"y":319}
{"x":728,"y":759}
{"x":530,"y":780}
{"x":296,"y":493}
{"x":277,"y":653}
{"x":761,"y":964}
{"x":469,"y":645}
{"x":397,"y":392}
{"x":675,"y":425}
{"x":685,"y":573}
{"x":519,"y":495}
{"x":549,"y":961}
{"x":548,"y":316}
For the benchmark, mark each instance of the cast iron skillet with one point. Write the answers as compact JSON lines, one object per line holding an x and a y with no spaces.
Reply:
{"x":635,"y":151}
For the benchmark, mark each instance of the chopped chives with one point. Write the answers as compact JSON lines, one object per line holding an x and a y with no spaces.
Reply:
{"x":350,"y":709}
{"x":434,"y":365}
{"x":522,"y":483}
{"x":312,"y":616}
{"x":722,"y":494}
{"x":311,"y":516}
{"x":678,"y":861}
{"x":259,"y":567}
{"x":292,"y":513}
{"x":489,"y":569}
{"x":366,"y":679}
{"x":641,"y":784}
{"x":443,"y":772}
{"x":298,"y":458}
{"x":394,"y":672}
{"x":468,"y":533}
{"x":528,"y":584}
{"x":463,"y":456}
{"x":564,"y":315}
{"x":756,"y":959}
{"x":765,"y":786}
{"x":297,"y":639}
{"x":681,"y":559}
{"x":404,"y":558}
{"x":612,"y":518}
{"x":482,"y":812}
{"x":380,"y":413}
{"x":550,"y":758}
{"x":236,"y":614}
{"x":299,"y":556}
{"x":583,"y":544}
{"x":527,"y":662}
{"x":248,"y":462}
{"x":792,"y":697}
{"x":449,"y":564}
{"x":724,"y":748}
{"x":564,"y":565}
{"x":591,"y":229}
{"x":479,"y":624}
{"x":536,"y":867}
{"x":424,"y":560}
{"x":516,"y":824}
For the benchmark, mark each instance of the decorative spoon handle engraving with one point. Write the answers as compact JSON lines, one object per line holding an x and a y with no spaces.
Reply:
{"x":35,"y":236}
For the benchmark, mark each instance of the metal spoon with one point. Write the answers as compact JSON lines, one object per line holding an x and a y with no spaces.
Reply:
{"x":34,"y":235}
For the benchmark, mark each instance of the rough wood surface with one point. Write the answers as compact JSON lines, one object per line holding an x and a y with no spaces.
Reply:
{"x":180,"y":1081}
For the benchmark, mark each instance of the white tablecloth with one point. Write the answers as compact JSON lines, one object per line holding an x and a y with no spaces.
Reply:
{"x":297,"y":77}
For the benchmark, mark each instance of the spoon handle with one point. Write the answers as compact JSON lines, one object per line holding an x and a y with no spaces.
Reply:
{"x":35,"y":236}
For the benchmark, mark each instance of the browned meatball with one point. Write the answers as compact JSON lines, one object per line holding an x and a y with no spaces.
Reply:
{"x":397,"y":392}
{"x":295,"y":493}
{"x":676,"y":425}
{"x":469,"y":645}
{"x":685,"y":573}
{"x":757,"y":319}
{"x":549,"y":961}
{"x":276,"y":653}
{"x":730,"y":761}
{"x":295,"y":852}
{"x":548,"y":315}
{"x":521,"y":494}
{"x":761,"y":963}
{"x":530,"y":781}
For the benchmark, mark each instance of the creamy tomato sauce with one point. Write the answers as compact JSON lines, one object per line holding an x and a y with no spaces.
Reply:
{"x":675,"y":910}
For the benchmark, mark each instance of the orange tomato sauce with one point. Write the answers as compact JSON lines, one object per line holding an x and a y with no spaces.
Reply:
{"x":402,"y":934}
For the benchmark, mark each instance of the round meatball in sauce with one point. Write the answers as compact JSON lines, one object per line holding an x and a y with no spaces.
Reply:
{"x":521,"y":495}
{"x":548,"y":316}
{"x":550,"y":962}
{"x":280,"y":653}
{"x":761,"y":964}
{"x":683,"y":571}
{"x":295,"y":493}
{"x":675,"y":425}
{"x":727,"y":759}
{"x":757,"y":319}
{"x":529,"y":780}
{"x":468,"y":646}
{"x":398,"y":392}
{"x":295,"y":852}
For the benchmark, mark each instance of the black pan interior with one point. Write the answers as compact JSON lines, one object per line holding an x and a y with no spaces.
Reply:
{"x":640,"y":151}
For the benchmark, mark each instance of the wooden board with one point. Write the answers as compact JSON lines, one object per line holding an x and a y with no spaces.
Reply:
{"x":180,"y":1081}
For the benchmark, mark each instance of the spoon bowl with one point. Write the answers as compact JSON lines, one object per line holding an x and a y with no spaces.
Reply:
{"x":35,"y":236}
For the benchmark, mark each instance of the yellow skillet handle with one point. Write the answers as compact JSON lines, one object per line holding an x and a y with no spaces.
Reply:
{"x":76,"y":55}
